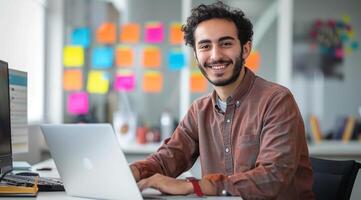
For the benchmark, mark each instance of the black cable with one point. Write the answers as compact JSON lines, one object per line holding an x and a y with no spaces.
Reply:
{"x":3,"y":175}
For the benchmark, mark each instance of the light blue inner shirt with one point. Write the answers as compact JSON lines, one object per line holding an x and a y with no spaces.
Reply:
{"x":221,"y":104}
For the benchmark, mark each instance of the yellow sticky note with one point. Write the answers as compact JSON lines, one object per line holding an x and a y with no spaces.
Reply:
{"x":253,"y":61}
{"x":73,"y":56}
{"x":73,"y":79}
{"x":176,"y":34}
{"x":98,"y":82}
{"x":151,"y":57}
{"x":198,"y":83}
{"x":346,"y":18}
{"x":130,"y":33}
{"x":124,"y":56}
{"x":152,"y":82}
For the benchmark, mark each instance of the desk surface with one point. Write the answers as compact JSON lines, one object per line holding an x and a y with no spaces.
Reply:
{"x":62,"y":195}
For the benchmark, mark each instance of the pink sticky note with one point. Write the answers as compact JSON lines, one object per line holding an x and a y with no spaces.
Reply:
{"x":124,"y":82}
{"x":78,"y":103}
{"x":339,"y":53}
{"x":154,"y":33}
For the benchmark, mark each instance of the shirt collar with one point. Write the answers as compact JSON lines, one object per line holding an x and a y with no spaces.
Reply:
{"x":240,"y":91}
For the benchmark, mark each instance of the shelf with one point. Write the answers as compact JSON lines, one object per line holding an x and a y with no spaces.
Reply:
{"x":325,"y":148}
{"x":134,"y":148}
{"x":335,"y":148}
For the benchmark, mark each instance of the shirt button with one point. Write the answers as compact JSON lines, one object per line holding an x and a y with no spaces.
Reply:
{"x":228,"y":120}
{"x":227,"y":150}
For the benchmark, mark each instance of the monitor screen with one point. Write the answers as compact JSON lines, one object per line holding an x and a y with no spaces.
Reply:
{"x":5,"y":129}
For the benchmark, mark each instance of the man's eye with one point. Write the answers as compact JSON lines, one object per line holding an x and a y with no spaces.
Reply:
{"x":227,"y":44}
{"x":204,"y":46}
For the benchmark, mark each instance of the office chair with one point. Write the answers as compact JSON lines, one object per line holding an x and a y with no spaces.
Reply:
{"x":333,"y":179}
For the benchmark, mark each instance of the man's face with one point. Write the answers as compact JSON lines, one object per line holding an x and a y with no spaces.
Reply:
{"x":218,"y":51}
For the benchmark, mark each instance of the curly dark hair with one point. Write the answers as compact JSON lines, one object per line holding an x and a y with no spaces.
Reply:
{"x":221,"y":11}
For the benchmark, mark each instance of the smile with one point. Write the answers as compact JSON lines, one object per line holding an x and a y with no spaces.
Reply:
{"x":218,"y":67}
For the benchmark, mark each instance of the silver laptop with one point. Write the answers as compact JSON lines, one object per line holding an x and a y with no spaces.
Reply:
{"x":90,"y":161}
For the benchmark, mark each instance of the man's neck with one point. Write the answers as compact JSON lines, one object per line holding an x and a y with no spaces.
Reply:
{"x":225,"y":91}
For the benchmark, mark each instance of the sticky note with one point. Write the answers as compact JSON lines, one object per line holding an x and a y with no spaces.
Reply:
{"x":176,"y":60}
{"x":78,"y":103}
{"x":73,"y":56}
{"x":154,"y":32}
{"x":98,"y":82}
{"x":102,"y":57}
{"x":151,"y":57}
{"x":73,"y":79}
{"x":152,"y":82}
{"x":106,"y":33}
{"x":175,"y":34}
{"x":253,"y":61}
{"x":124,"y":82}
{"x":198,"y":83}
{"x":130,"y":33}
{"x":346,"y":18}
{"x":81,"y":36}
{"x":124,"y":56}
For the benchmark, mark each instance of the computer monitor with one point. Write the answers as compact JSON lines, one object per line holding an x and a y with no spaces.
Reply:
{"x":5,"y":127}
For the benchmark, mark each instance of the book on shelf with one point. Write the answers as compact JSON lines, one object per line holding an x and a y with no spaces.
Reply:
{"x":349,"y":129}
{"x":315,"y":129}
{"x":339,"y":128}
{"x":15,"y":190}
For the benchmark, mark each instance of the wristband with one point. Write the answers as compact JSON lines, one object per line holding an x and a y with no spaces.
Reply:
{"x":196,"y":187}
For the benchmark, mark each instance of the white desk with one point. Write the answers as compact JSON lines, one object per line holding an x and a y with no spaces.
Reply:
{"x":63,"y":196}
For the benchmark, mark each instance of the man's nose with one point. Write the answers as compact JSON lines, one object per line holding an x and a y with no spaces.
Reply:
{"x":216,"y":53}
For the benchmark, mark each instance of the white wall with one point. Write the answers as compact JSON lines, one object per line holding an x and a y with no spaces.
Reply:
{"x":22,"y":46}
{"x":338,"y":97}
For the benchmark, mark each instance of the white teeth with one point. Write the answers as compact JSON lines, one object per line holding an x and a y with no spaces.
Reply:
{"x":218,"y":67}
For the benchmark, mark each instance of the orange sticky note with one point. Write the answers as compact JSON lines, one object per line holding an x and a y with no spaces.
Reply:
{"x":151,"y":57}
{"x":106,"y":33}
{"x":176,"y":34}
{"x":73,"y":80}
{"x":124,"y":56}
{"x":253,"y":61}
{"x":198,"y":83}
{"x":152,"y":82}
{"x":130,"y":33}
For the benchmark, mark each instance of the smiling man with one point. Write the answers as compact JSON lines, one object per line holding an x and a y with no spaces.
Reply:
{"x":248,"y":133}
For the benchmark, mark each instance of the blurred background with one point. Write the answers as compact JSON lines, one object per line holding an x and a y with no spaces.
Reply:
{"x":124,"y":62}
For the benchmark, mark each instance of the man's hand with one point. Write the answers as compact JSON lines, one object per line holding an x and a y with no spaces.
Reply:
{"x":135,"y":172}
{"x":166,"y":185}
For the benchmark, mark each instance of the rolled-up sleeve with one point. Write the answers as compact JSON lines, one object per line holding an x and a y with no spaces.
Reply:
{"x":177,"y":153}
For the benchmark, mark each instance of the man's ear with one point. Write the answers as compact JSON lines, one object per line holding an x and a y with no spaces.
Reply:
{"x":195,"y":54}
{"x":247,"y":48}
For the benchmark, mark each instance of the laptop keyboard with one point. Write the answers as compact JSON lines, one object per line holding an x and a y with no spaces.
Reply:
{"x":44,"y":183}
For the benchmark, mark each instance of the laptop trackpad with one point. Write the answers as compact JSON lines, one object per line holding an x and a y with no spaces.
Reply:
{"x":151,"y":193}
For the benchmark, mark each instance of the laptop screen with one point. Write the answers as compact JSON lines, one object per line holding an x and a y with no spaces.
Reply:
{"x":5,"y":130}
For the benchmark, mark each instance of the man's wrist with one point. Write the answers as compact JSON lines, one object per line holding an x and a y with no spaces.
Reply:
{"x":196,"y":187}
{"x":135,"y":172}
{"x":189,"y":187}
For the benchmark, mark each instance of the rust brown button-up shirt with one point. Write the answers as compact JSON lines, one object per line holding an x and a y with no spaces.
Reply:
{"x":256,"y":149}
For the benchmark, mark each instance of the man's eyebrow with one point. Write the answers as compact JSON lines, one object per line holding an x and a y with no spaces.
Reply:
{"x":226,"y":38}
{"x":219,"y":40}
{"x":204,"y":41}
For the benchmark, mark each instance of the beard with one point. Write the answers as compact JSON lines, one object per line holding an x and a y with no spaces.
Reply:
{"x":238,"y":65}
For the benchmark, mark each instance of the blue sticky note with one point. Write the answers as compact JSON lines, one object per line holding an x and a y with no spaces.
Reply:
{"x":81,"y":36}
{"x":102,"y":57}
{"x":176,"y":60}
